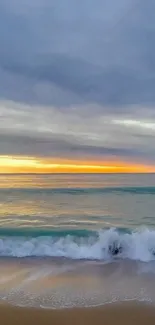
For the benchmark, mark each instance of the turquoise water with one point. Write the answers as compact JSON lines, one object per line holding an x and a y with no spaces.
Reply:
{"x":77,"y":216}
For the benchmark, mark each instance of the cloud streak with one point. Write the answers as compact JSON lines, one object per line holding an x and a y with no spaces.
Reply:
{"x":73,"y":134}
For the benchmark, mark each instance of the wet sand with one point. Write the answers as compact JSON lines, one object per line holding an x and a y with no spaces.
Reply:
{"x":63,"y":283}
{"x":110,"y":314}
{"x":53,"y":284}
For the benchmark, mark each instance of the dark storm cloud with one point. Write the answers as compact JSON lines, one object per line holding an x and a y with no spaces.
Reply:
{"x":92,"y":51}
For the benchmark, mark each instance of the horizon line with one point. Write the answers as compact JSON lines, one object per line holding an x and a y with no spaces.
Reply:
{"x":74,"y":173}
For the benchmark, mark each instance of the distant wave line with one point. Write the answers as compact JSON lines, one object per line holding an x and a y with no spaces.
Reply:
{"x":90,"y":190}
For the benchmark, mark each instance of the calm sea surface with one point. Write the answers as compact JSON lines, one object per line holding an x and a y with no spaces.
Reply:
{"x":77,"y":201}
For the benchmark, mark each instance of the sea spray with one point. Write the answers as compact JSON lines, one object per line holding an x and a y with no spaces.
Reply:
{"x":80,"y":244}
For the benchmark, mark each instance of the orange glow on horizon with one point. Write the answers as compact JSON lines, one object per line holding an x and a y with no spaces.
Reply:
{"x":17,"y":164}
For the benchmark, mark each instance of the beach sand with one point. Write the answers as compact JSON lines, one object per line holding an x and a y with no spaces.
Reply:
{"x":110,"y":314}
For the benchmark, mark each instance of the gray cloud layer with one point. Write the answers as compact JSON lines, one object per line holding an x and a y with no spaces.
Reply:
{"x":84,"y":75}
{"x":72,"y":52}
{"x":75,"y":133}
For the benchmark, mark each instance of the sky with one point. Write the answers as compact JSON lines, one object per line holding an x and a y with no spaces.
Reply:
{"x":77,"y":86}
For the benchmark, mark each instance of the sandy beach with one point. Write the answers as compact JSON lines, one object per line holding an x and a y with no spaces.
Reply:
{"x":111,"y":314}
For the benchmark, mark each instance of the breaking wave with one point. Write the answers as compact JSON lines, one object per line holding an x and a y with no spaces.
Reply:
{"x":106,"y":244}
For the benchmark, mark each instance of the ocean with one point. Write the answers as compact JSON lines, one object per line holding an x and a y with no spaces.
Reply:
{"x":77,"y":239}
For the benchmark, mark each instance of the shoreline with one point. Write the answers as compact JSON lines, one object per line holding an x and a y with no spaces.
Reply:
{"x":115,"y":313}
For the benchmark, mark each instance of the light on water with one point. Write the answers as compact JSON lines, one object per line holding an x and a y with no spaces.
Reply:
{"x":77,"y":201}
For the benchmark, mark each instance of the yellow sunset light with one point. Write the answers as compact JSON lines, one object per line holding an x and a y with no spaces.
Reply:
{"x":17,"y":164}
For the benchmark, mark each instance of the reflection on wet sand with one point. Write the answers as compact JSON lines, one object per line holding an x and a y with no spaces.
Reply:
{"x":63,"y":283}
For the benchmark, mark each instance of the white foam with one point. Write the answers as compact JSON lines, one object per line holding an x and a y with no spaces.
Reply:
{"x":138,"y":245}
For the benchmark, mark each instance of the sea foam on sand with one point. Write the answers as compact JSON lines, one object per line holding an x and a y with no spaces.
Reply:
{"x":62,"y":283}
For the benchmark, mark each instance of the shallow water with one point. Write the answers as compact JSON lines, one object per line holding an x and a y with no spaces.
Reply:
{"x":64,"y":284}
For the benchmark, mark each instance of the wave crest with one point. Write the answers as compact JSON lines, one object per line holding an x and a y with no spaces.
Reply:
{"x":102,"y":245}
